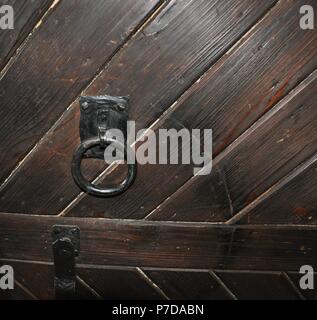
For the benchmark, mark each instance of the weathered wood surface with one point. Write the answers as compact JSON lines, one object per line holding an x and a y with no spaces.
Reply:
{"x":17,"y":294}
{"x":112,"y":284}
{"x":183,"y":285}
{"x":38,"y":278}
{"x":307,"y":294}
{"x":164,"y":244}
{"x":107,"y":283}
{"x":259,"y":286}
{"x":292,"y":200}
{"x":275,"y":145}
{"x":156,"y":66}
{"x":56,"y":65}
{"x":26,"y":15}
{"x":271,"y":60}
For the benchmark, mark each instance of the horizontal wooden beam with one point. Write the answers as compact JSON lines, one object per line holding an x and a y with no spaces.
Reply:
{"x":164,"y":244}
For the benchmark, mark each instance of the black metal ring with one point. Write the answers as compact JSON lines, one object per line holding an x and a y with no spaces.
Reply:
{"x":92,"y":189}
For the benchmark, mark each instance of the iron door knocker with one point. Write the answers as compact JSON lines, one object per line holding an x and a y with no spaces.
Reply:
{"x":98,"y":115}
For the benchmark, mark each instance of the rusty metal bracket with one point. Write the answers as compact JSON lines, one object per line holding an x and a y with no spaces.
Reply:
{"x":66,"y":247}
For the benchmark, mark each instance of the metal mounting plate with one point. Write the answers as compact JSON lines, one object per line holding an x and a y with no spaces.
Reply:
{"x":99,"y":113}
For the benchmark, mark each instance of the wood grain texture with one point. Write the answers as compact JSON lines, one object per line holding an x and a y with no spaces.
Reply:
{"x":184,"y":285}
{"x":63,"y":56}
{"x":309,"y":294}
{"x":156,"y":66}
{"x":39,"y":279}
{"x":16,"y":294}
{"x":259,"y":286}
{"x":293,"y":200}
{"x":26,"y":15}
{"x":164,"y":244}
{"x":123,"y":283}
{"x":107,"y":283}
{"x":181,"y":41}
{"x":119,"y":284}
{"x":247,"y":82}
{"x":284,"y":138}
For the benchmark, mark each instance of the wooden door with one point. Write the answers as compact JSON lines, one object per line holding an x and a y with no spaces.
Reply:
{"x":246,"y":69}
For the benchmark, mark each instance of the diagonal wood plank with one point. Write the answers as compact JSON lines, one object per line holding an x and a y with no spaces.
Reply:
{"x":183,"y":285}
{"x":247,"y":82}
{"x":291,"y":200}
{"x":309,"y":294}
{"x":284,"y":138}
{"x":26,"y":15}
{"x":39,"y":279}
{"x":124,"y":283}
{"x":18,"y":293}
{"x":107,"y":283}
{"x":259,"y":286}
{"x":63,"y":56}
{"x":119,"y":284}
{"x":156,"y":66}
{"x":140,"y":243}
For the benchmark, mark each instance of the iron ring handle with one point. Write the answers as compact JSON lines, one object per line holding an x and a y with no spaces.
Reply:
{"x":92,"y":189}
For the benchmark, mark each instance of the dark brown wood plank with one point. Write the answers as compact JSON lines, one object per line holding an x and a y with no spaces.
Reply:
{"x":119,"y":284}
{"x":39,"y":279}
{"x":184,"y":285}
{"x":17,"y":293}
{"x":293,"y":200}
{"x":106,"y":284}
{"x":309,"y":294}
{"x":26,"y":15}
{"x":164,"y":244}
{"x":259,"y":286}
{"x":279,"y":142}
{"x":156,"y":66}
{"x":65,"y":53}
{"x":274,"y":57}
